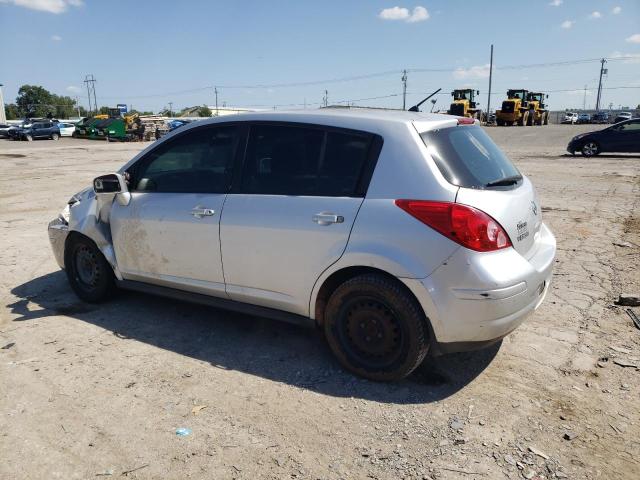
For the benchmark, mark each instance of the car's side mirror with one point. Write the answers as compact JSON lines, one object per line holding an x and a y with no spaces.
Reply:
{"x":109,"y":184}
{"x":112,"y":184}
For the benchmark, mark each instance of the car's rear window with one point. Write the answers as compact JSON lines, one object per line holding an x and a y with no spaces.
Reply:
{"x":467,"y":157}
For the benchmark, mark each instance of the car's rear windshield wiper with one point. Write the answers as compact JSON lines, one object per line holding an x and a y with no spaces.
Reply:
{"x":506,"y":181}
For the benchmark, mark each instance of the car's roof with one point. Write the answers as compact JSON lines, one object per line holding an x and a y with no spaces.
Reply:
{"x":347,"y":117}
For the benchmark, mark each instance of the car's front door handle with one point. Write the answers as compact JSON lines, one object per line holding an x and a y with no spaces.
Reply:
{"x":327,"y":218}
{"x":200,"y":212}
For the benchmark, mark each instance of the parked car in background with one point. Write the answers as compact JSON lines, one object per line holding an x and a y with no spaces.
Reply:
{"x":66,"y":129}
{"x":381,"y":228}
{"x":4,"y":130}
{"x":621,"y":137}
{"x":622,"y":116}
{"x":601,"y":117}
{"x":583,"y":118}
{"x":570,"y":117}
{"x":40,"y":130}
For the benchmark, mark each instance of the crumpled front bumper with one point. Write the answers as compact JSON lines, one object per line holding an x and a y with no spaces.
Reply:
{"x":58,"y":231}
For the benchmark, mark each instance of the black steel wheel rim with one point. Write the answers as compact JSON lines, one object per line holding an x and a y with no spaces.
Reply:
{"x":370,"y":332}
{"x":87,"y":268}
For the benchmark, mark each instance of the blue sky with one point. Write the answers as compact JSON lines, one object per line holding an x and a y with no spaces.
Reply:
{"x":149,"y":53}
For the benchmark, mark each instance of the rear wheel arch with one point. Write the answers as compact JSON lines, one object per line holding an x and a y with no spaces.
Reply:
{"x":337,"y":278}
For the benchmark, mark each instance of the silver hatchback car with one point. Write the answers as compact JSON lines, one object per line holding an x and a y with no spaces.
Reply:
{"x":397,"y":233}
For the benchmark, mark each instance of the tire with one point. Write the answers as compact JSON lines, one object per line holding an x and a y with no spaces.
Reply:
{"x":545,"y":120}
{"x":524,"y":119}
{"x":90,"y":275}
{"x":375,"y":328}
{"x":500,"y":123}
{"x":531,"y":120}
{"x":55,"y":136}
{"x":28,"y":138}
{"x":590,"y":149}
{"x":74,"y":135}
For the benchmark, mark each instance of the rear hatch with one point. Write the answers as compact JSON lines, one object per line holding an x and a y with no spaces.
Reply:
{"x":467,"y":157}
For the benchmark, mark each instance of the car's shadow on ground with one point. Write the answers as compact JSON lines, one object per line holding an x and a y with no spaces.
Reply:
{"x":266,"y":348}
{"x":620,"y":156}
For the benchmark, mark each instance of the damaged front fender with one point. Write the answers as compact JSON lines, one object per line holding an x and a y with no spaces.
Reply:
{"x":89,"y":215}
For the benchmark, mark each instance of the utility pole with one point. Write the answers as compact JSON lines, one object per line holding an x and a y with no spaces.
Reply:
{"x":603,"y":71}
{"x":215,"y":90}
{"x":90,"y":80}
{"x":584,"y":99}
{"x":325,"y":99}
{"x":78,"y":106}
{"x":3,"y":115}
{"x":404,"y":90}
{"x":490,"y":78}
{"x":170,"y":109}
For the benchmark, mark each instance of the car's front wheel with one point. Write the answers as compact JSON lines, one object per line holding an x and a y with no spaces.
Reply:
{"x":55,"y":136}
{"x":90,"y":275}
{"x":590,"y":149}
{"x":375,"y":328}
{"x":28,"y":138}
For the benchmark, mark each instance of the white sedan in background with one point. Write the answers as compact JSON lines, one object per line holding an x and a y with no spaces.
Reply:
{"x":66,"y":129}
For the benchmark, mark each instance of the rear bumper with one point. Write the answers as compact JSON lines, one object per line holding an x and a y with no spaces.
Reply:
{"x":482,"y":297}
{"x":58,"y":230}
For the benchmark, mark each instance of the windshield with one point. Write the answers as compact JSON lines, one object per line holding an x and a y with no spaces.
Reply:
{"x":467,"y":157}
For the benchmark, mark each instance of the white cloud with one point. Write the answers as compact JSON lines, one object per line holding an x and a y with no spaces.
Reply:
{"x":477,"y":71}
{"x":626,"y":57}
{"x":56,"y":38}
{"x":635,"y":38}
{"x":419,"y":14}
{"x":595,"y":15}
{"x":51,"y":6}
{"x":394,"y":13}
{"x":73,"y":89}
{"x":555,"y":3}
{"x":616,"y":10}
{"x":567,"y":24}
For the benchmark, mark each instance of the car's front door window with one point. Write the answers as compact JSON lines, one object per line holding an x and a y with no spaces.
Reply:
{"x":200,"y":161}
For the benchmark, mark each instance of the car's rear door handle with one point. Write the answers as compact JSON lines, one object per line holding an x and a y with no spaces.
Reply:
{"x":327,"y":218}
{"x":200,"y":212}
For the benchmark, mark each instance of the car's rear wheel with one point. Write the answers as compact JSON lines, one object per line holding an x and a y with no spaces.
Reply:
{"x":375,"y":328}
{"x":90,"y":275}
{"x":55,"y":136}
{"x":590,"y":149}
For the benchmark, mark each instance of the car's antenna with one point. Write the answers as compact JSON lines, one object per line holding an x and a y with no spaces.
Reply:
{"x":416,"y":107}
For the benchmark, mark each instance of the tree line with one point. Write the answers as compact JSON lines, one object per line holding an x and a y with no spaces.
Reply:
{"x":37,"y":101}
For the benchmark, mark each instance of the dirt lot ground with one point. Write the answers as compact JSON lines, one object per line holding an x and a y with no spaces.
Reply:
{"x":89,"y":391}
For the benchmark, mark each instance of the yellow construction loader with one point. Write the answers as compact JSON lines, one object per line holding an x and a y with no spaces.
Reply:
{"x":464,"y":104}
{"x":514,"y":109}
{"x":538,"y":113}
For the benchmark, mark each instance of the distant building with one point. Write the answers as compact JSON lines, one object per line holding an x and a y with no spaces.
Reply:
{"x":192,"y":112}
{"x":221,"y":111}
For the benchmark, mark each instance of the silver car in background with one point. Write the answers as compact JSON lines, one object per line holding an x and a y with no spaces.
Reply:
{"x":397,"y":233}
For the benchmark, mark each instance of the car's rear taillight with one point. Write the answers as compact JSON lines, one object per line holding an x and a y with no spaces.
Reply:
{"x":468,"y":226}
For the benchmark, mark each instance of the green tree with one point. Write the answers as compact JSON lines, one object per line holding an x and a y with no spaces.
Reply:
{"x":34,"y":101}
{"x":204,"y":111}
{"x":11,"y":111}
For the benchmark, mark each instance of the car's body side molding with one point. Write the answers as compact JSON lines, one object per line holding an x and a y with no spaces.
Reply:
{"x":217,"y":302}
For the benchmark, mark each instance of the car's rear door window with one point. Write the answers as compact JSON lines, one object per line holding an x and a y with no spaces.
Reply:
{"x":296,"y":160}
{"x":467,"y":157}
